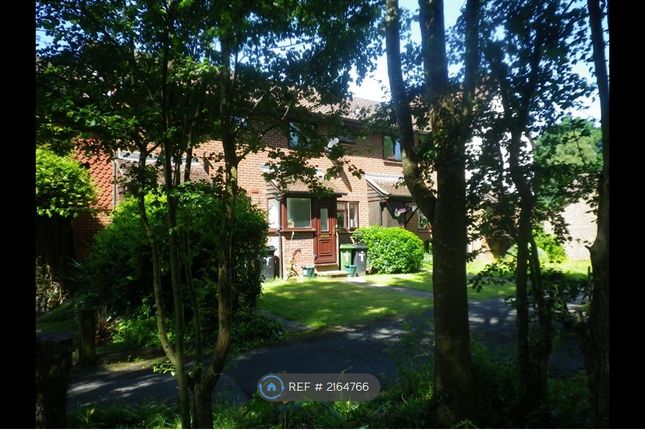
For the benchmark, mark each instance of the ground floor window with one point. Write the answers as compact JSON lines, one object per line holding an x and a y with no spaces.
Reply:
{"x":298,"y":212}
{"x":347,"y":215}
{"x":273,"y":213}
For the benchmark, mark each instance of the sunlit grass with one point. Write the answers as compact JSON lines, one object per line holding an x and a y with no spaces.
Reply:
{"x":322,"y":303}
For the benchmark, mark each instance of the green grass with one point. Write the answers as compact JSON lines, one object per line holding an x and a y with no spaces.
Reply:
{"x":324,"y":303}
{"x":423,"y":281}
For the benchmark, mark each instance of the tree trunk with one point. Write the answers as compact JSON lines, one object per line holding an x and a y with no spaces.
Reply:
{"x":522,"y":308}
{"x":597,"y":344}
{"x":87,"y":338}
{"x":171,"y":218}
{"x":53,"y":365}
{"x":545,"y":321}
{"x":224,"y":299}
{"x":453,"y":372}
{"x":453,"y":379}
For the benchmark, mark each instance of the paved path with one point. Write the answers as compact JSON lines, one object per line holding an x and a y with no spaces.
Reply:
{"x":366,"y":348}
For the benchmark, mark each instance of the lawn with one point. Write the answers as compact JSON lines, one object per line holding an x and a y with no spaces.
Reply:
{"x":323,"y":303}
{"x":423,"y":280}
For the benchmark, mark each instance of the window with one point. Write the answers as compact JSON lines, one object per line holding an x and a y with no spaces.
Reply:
{"x":391,"y":148}
{"x":294,"y":135}
{"x":298,"y":212}
{"x":273,"y":213}
{"x":347,"y":215}
{"x":341,"y":207}
{"x":324,"y":219}
{"x":346,"y":139}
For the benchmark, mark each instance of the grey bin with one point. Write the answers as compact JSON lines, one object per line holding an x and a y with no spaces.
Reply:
{"x":360,"y":259}
{"x":353,"y":259}
{"x":268,"y":268}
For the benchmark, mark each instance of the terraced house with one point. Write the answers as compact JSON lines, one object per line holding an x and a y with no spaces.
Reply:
{"x":305,"y":230}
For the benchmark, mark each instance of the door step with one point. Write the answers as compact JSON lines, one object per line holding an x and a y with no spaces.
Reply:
{"x":332,"y":274}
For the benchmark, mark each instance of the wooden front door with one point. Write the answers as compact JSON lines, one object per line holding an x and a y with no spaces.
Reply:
{"x":325,"y":237}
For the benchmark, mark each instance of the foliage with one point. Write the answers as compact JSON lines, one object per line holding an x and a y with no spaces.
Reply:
{"x":251,"y":330}
{"x":406,"y":402}
{"x":145,"y":415}
{"x":49,"y":292}
{"x":566,"y":168}
{"x":63,"y":185}
{"x":550,"y":244}
{"x":391,"y":249}
{"x":117,"y":272}
{"x":174,"y":74}
{"x":138,"y":330}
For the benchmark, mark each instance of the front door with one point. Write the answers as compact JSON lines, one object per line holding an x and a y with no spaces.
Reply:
{"x":325,"y":237}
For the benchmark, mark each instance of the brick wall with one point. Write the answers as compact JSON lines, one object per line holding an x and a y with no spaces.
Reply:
{"x":582,"y":228}
{"x":366,"y":154}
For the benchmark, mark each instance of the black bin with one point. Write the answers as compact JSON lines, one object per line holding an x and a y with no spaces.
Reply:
{"x":359,"y":259}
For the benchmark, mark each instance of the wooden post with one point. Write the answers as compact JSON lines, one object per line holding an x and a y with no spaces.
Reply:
{"x":87,"y":338}
{"x":53,"y":365}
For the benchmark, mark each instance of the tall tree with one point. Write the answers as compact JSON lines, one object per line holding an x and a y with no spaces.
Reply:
{"x":449,"y":116}
{"x":167,"y":76}
{"x":531,"y":71}
{"x":597,"y":348}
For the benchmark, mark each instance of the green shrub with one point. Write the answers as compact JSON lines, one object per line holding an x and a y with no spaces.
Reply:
{"x":251,"y":330}
{"x":118,"y":272}
{"x":550,"y":244}
{"x":63,"y":186}
{"x":391,"y":249}
{"x":138,"y":330}
{"x":549,"y":248}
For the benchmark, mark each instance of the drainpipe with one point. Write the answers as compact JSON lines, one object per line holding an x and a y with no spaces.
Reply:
{"x":114,"y":187}
{"x":280,"y":238}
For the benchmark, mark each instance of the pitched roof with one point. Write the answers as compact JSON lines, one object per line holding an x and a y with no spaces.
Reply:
{"x":300,"y":187}
{"x":388,"y":186}
{"x":357,"y":108}
{"x":125,"y":160}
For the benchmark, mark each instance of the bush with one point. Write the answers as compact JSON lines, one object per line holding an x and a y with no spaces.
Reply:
{"x":49,"y":292}
{"x":63,"y":185}
{"x":118,"y":271}
{"x":138,"y":331}
{"x":550,"y":244}
{"x":391,"y":249}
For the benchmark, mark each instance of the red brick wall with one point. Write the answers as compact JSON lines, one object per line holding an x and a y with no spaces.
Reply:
{"x":85,"y":227}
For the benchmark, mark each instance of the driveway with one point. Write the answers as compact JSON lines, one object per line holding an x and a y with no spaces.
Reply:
{"x":366,"y":348}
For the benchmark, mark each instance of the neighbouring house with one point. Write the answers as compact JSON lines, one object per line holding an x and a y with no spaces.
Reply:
{"x":582,"y":225}
{"x":305,"y":230}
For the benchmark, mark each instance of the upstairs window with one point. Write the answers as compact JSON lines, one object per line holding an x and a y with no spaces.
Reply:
{"x":294,"y":135}
{"x":391,"y":148}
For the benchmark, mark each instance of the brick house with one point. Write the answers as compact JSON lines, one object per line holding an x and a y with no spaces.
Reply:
{"x":304,"y":230}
